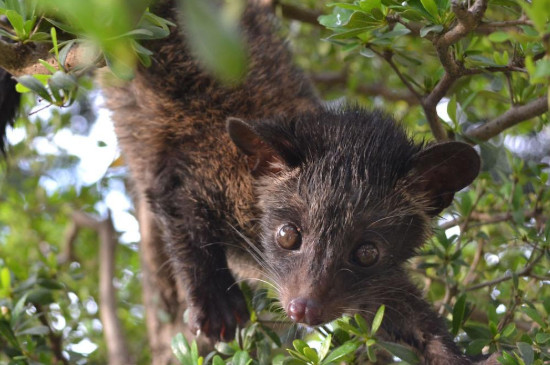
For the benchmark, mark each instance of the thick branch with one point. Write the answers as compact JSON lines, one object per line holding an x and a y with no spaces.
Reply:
{"x":467,"y":21}
{"x":429,"y":103}
{"x":513,"y":116}
{"x":22,"y":59}
{"x":300,"y":14}
{"x":114,"y":336}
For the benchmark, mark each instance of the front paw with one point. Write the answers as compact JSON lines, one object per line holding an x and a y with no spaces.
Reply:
{"x":216,"y":309}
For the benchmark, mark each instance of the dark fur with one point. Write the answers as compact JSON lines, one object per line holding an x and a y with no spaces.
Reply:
{"x":345,"y":177}
{"x":9,"y":104}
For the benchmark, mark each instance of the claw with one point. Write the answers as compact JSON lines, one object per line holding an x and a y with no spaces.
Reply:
{"x":222,"y":332}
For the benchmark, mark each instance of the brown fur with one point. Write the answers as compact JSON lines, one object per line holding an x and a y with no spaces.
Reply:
{"x":343,"y":177}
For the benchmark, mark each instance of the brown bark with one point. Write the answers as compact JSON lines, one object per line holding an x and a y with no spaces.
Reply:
{"x":162,"y":293}
{"x":22,"y":59}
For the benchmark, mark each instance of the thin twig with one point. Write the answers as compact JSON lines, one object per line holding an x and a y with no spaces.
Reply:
{"x":56,"y":341}
{"x":526,"y":271}
{"x":485,"y":218}
{"x":388,"y":57}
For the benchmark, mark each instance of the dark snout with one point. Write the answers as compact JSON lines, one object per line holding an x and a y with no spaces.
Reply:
{"x":306,"y":311}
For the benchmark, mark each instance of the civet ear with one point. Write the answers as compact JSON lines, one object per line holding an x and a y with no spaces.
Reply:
{"x":262,"y":158}
{"x":441,"y":170}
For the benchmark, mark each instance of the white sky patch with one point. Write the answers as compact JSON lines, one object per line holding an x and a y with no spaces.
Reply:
{"x":452,"y":231}
{"x":491,"y":259}
{"x":441,"y":110}
{"x":96,"y":152}
{"x":15,"y":135}
{"x":501,"y":309}
{"x":84,"y":347}
{"x":94,"y":158}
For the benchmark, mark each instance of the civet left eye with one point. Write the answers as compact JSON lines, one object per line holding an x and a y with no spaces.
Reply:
{"x":365,"y":255}
{"x":289,"y":237}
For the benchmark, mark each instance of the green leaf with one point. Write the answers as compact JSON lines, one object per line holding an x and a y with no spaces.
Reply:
{"x":39,"y":37}
{"x":271,"y":334}
{"x":534,"y":315}
{"x":431,"y":8}
{"x":311,"y":354}
{"x":38,"y":330}
{"x":368,"y":5}
{"x":542,"y":337}
{"x":340,"y":352}
{"x":499,"y":37}
{"x":7,"y":333}
{"x":40,"y":296}
{"x":458,"y":313}
{"x":367,"y":52}
{"x":437,"y":28}
{"x":509,"y":330}
{"x":241,"y":358}
{"x":216,"y":42}
{"x":527,"y":353}
{"x":377,"y":321}
{"x":475,"y":346}
{"x":400,"y":351}
{"x":34,"y":85}
{"x":325,"y":347}
{"x":345,"y":6}
{"x":363,"y":326}
{"x":299,"y":345}
{"x":5,"y":279}
{"x":297,"y":355}
{"x":217,"y":360}
{"x":47,"y":66}
{"x":50,"y":284}
{"x":180,"y":348}
{"x":65,"y":51}
{"x":17,"y":23}
{"x":224,"y":348}
{"x":53,"y":33}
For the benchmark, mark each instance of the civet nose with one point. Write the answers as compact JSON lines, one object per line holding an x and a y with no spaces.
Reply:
{"x":305,"y":311}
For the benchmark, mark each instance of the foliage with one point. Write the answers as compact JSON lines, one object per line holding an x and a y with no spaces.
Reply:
{"x":486,"y":270}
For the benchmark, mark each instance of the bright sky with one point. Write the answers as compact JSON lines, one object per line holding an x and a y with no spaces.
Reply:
{"x":96,"y":153}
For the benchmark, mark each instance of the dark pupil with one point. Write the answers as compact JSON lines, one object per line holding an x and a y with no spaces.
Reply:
{"x":366,"y":255}
{"x":288,"y":237}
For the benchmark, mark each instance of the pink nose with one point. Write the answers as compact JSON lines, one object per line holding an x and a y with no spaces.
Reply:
{"x":305,"y":311}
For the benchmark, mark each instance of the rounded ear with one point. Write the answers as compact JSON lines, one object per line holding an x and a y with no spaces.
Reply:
{"x":262,"y":159}
{"x":441,"y":170}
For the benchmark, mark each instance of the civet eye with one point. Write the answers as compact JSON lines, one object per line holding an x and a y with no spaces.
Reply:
{"x":289,"y":237}
{"x":365,"y":255}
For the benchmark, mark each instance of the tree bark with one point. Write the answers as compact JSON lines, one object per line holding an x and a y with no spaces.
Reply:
{"x":163,"y":296}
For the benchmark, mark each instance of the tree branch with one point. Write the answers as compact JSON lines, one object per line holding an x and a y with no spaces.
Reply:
{"x":114,"y":336}
{"x":300,"y":14}
{"x":523,"y":272}
{"x":22,"y":59}
{"x":515,"y":115}
{"x":489,"y":27}
{"x":429,"y":104}
{"x":467,"y":21}
{"x":485,"y":218}
{"x":372,"y":89}
{"x":56,"y":341}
